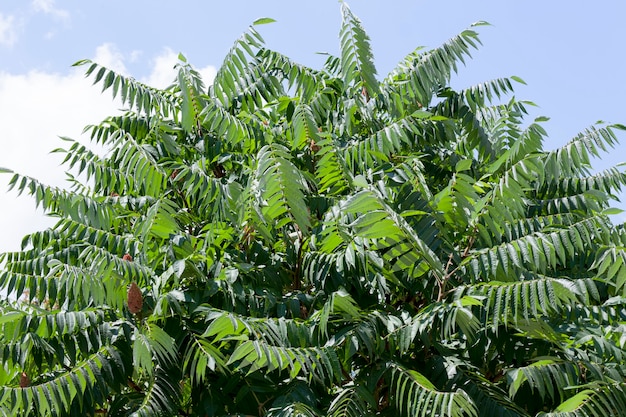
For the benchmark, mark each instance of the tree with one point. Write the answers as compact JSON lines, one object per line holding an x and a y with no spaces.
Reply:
{"x":291,"y":241}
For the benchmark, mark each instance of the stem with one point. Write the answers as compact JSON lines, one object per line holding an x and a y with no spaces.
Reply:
{"x":449,"y":274}
{"x":260,"y":404}
{"x":297,"y":284}
{"x":134,"y":386}
{"x":441,"y":283}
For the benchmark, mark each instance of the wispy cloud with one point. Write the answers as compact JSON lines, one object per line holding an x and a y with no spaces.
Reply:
{"x":29,"y":135}
{"x":8,"y":30}
{"x":69,"y":103}
{"x":110,"y":56}
{"x":49,"y":7}
{"x":163,"y":72}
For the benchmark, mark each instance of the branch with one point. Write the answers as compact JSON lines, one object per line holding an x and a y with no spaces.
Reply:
{"x":444,"y":281}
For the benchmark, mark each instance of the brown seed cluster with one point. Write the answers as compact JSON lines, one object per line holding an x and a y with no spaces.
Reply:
{"x":134,"y":299}
{"x":127,"y":257}
{"x":24,"y":380}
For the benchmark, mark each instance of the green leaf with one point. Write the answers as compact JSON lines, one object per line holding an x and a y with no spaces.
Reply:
{"x":263,"y":21}
{"x":573,"y":403}
{"x":313,"y":241}
{"x":463,"y":165}
{"x":356,"y":61}
{"x":518,"y":79}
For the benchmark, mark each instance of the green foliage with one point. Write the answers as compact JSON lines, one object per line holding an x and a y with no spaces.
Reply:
{"x":297,"y":242}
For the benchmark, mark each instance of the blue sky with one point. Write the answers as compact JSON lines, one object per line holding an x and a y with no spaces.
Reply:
{"x":571,"y":54}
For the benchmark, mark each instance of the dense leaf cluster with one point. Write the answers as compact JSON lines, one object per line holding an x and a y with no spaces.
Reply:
{"x":298,"y":242}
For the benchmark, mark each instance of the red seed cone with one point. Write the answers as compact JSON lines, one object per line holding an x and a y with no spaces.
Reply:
{"x":127,"y":257}
{"x":135,"y":299}
{"x":24,"y":380}
{"x":314,"y":146}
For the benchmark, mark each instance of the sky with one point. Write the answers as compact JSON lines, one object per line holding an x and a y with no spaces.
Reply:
{"x":570,"y":54}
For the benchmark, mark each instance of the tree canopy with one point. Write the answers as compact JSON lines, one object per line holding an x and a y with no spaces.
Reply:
{"x":290,"y":241}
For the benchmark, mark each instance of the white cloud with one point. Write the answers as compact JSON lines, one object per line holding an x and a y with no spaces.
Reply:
{"x":48,"y":7}
{"x":109,"y":56}
{"x":135,"y":55}
{"x":36,"y":108}
{"x":8,"y":32}
{"x":208,"y":74}
{"x":163,"y":72}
